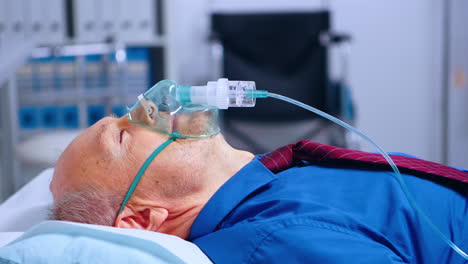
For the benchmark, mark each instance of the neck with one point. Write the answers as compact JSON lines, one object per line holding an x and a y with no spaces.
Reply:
{"x":217,"y":167}
{"x":223,"y":163}
{"x":179,"y":223}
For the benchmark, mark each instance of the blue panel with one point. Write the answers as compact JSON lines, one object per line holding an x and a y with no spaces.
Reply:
{"x":69,"y":116}
{"x":93,"y":57}
{"x":137,"y":54}
{"x":28,"y":118}
{"x":49,"y":117}
{"x":67,"y":58}
{"x":119,"y":110}
{"x":112,"y":57}
{"x":42,"y":59}
{"x":95,"y":113}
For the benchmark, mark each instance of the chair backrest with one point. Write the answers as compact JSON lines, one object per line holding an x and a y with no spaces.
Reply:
{"x":282,"y":53}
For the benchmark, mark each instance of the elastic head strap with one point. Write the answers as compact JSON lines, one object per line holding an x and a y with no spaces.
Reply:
{"x":143,"y":169}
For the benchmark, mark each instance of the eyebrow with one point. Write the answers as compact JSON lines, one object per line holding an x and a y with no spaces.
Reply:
{"x":101,"y":138}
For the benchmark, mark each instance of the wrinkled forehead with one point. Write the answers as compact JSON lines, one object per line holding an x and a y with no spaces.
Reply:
{"x":73,"y":166}
{"x":62,"y":175}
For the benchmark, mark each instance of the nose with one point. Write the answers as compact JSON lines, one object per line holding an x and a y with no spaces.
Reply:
{"x":123,"y":121}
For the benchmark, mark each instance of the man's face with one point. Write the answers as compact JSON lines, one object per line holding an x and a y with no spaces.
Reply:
{"x":104,"y":155}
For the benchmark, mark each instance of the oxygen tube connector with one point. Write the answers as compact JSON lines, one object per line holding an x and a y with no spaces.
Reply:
{"x":222,"y":94}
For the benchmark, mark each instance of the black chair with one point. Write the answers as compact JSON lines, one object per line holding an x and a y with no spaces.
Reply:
{"x":284,"y":53}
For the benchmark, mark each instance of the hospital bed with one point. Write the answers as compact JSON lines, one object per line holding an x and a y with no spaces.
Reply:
{"x":27,"y":237}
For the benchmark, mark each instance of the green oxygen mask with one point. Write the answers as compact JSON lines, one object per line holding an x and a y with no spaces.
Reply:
{"x":181,"y":111}
{"x":191,"y":111}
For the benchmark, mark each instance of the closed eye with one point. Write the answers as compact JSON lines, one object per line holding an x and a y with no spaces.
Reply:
{"x":121,"y":136}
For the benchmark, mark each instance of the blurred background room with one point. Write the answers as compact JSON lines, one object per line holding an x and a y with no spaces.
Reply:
{"x":396,"y":70}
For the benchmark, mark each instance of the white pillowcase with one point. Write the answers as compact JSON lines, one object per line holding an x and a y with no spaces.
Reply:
{"x":28,"y":206}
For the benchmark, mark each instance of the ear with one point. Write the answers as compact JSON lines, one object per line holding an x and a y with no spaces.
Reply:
{"x":141,"y":217}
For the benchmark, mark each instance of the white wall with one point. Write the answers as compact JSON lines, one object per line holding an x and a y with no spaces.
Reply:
{"x":394,"y":71}
{"x":187,"y":37}
{"x":395,"y":62}
{"x":458,"y":85}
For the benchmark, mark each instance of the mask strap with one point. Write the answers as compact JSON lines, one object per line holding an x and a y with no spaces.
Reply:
{"x":143,"y":168}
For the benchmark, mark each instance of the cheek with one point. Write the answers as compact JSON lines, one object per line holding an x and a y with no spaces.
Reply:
{"x":145,"y":141}
{"x":142,"y":142}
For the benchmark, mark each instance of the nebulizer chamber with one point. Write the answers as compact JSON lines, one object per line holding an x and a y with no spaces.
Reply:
{"x":222,"y":94}
{"x":183,"y":111}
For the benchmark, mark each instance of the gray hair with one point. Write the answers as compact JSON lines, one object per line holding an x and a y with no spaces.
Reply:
{"x":89,"y":206}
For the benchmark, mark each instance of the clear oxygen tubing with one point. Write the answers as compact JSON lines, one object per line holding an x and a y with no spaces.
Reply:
{"x":143,"y":168}
{"x":404,"y":187}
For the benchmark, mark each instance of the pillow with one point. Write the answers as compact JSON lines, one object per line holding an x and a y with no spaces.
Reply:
{"x":66,"y":242}
{"x":28,"y":206}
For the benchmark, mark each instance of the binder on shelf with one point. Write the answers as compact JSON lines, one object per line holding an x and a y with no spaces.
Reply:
{"x":137,"y":75}
{"x":69,"y":117}
{"x":24,"y":78}
{"x":36,"y":20}
{"x":54,"y":22}
{"x":137,"y":21}
{"x":3,"y":27}
{"x":28,"y":118}
{"x":9,"y":36}
{"x":49,"y":116}
{"x":86,"y":21}
{"x":95,"y":75}
{"x":17,"y":20}
{"x":109,"y":19}
{"x":43,"y":74}
{"x":65,"y":73}
{"x":115,"y":77}
{"x":95,"y":113}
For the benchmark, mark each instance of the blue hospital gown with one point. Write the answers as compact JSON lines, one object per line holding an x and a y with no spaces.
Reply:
{"x":313,"y":214}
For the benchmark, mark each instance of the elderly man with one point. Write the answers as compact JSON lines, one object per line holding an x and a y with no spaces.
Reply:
{"x":239,"y":208}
